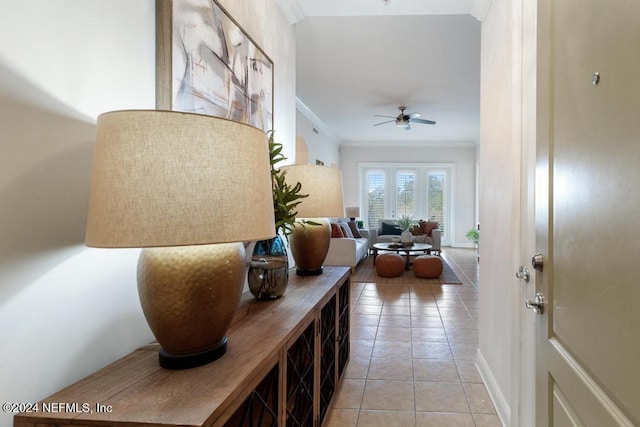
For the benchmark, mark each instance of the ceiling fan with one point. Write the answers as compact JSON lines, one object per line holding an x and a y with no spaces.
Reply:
{"x":404,"y":120}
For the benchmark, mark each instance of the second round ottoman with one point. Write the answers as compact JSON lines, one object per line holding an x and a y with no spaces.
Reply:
{"x":428,"y":266}
{"x":389,"y":265}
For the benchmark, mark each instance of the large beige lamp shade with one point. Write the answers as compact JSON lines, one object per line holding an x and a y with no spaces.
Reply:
{"x":185,"y":187}
{"x":311,"y":234}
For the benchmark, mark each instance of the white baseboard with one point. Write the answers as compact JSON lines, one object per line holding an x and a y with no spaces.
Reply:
{"x":497,"y":397}
{"x":463,"y":245}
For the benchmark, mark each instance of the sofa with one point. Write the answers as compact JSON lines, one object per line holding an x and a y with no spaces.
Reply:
{"x":422,"y":232}
{"x":345,"y":249}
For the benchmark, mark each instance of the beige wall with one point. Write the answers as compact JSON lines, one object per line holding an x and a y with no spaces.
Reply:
{"x":66,"y":310}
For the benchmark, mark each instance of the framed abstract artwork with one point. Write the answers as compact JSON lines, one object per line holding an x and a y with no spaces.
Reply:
{"x":207,"y":64}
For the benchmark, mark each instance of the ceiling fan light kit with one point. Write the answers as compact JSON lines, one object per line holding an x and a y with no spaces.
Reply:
{"x":403,"y":124}
{"x":404,"y":120}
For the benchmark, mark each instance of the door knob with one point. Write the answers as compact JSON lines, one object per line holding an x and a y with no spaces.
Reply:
{"x":537,"y":305}
{"x":523,"y":273}
{"x":537,"y":262}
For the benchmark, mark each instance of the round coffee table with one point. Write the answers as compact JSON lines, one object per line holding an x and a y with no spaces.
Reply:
{"x":413,"y":249}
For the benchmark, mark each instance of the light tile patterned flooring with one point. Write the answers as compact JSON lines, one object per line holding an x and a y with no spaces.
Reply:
{"x":413,"y":349}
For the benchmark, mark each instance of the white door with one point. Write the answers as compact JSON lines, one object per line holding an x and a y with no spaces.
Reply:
{"x":588,"y":213}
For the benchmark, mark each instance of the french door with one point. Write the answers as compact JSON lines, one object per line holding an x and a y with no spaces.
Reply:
{"x":421,"y":191}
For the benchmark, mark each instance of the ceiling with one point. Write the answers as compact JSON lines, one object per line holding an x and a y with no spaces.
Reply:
{"x":359,"y":58}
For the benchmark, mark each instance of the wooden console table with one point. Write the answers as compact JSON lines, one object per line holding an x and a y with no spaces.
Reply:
{"x":284,"y":361}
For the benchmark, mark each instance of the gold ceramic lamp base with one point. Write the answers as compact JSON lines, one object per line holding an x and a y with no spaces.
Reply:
{"x":189,"y":295}
{"x":310,"y":245}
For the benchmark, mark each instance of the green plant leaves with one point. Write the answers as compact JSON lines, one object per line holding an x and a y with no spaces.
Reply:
{"x":405,"y":222}
{"x":286,"y":197}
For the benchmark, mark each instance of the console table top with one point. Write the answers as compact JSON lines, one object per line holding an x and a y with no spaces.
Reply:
{"x":139,"y":391}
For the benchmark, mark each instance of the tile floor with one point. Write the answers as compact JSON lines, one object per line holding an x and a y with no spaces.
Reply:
{"x":413,"y":349}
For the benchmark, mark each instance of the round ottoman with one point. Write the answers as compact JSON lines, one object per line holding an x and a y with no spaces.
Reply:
{"x":427,"y":266}
{"x":389,"y":265}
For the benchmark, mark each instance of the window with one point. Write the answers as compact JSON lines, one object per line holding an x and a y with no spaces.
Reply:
{"x":404,"y":193}
{"x":421,"y":191}
{"x":375,"y":196}
{"x":436,"y":199}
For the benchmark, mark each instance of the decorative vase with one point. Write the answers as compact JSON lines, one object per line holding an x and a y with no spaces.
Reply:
{"x":268,"y":274}
{"x":309,"y":245}
{"x":406,"y":237}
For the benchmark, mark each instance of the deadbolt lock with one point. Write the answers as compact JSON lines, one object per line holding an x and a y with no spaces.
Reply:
{"x":537,"y":262}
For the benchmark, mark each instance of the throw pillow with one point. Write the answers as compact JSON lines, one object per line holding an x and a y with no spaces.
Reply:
{"x":389,"y":229}
{"x":336,"y":231}
{"x":354,"y":229}
{"x":346,"y":231}
{"x":416,"y":230}
{"x":429,"y":226}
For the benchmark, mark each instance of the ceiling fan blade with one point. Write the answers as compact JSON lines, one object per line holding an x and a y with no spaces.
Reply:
{"x":381,"y":123}
{"x":413,"y":115}
{"x":423,"y":121}
{"x":390,"y":117}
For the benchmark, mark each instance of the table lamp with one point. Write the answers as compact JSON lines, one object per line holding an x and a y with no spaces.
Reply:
{"x":311,"y":234}
{"x":352,"y":212}
{"x":188,"y":189}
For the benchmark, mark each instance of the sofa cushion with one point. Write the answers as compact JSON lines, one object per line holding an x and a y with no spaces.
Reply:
{"x":348,"y":252}
{"x":362,"y":248}
{"x":346,"y":231}
{"x":336,"y":231}
{"x":354,"y":229}
{"x":428,"y":226}
{"x":420,"y":238}
{"x":389,"y":229}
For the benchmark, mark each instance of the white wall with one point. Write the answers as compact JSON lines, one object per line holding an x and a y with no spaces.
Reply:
{"x":499,"y":206}
{"x":66,"y":310}
{"x":320,"y":145}
{"x":464,"y":158}
{"x":265,"y":23}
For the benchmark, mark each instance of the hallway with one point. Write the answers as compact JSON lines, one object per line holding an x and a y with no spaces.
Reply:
{"x":413,"y":350}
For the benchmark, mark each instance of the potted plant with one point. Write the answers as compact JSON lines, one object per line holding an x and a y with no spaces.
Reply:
{"x":405,"y":222}
{"x":473,"y":235}
{"x":268,"y":274}
{"x":285,"y":196}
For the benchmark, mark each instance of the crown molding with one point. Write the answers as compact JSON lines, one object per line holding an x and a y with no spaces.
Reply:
{"x":408,"y":144}
{"x":291,"y":10}
{"x":306,"y":111}
{"x":480,"y":8}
